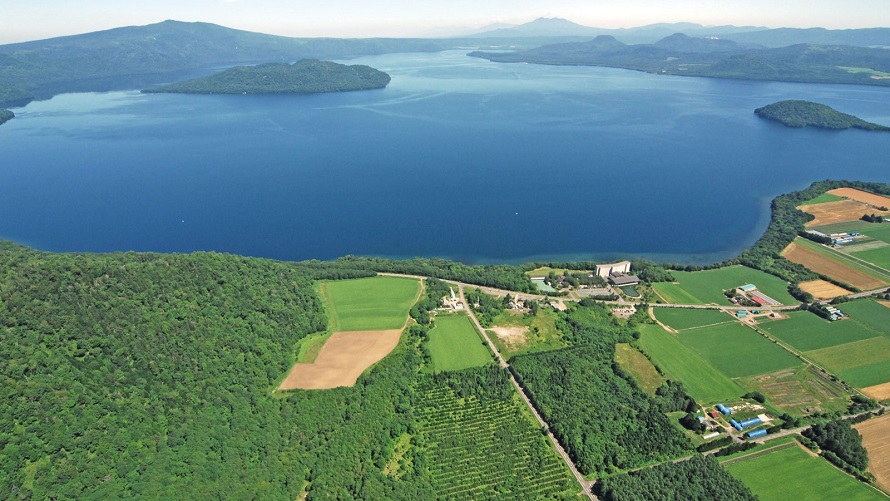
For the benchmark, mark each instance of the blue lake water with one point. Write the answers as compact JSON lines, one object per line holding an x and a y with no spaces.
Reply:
{"x":458,"y":158}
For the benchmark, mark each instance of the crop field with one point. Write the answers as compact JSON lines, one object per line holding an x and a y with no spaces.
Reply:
{"x":862,"y":363}
{"x":838,"y":212}
{"x":701,"y":379}
{"x":876,"y":440}
{"x":342,"y":359}
{"x":870,"y":314}
{"x":861,"y":196}
{"x":879,"y":392}
{"x":800,"y":390}
{"x":682,"y":319}
{"x":806,"y":331}
{"x":486,"y":448}
{"x":877,"y":256}
{"x":789,"y":472}
{"x":376,"y":303}
{"x":820,"y":289}
{"x":706,"y":287}
{"x":454,"y":344}
{"x":639,"y":367}
{"x":737,"y":350}
{"x":825,"y":197}
{"x":823,"y":261}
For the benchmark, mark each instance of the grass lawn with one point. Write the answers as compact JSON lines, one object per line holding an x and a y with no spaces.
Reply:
{"x":806,"y":331}
{"x":791,"y":473}
{"x":737,"y":350}
{"x":376,"y":303}
{"x":706,"y":287}
{"x":454,"y":344}
{"x":861,"y":364}
{"x":681,"y":319}
{"x":702,"y":380}
{"x":638,"y":366}
{"x":825,"y":197}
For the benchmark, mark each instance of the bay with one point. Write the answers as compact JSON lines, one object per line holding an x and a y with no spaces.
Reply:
{"x":458,"y":158}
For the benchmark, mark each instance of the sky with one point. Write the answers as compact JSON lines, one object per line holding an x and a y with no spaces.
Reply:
{"x":22,"y":20}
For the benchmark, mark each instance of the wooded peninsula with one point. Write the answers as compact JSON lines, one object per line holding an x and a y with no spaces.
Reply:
{"x":5,"y":116}
{"x":795,"y":113}
{"x":303,"y":77}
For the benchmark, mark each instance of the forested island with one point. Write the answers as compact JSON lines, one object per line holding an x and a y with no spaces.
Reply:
{"x":795,"y":113}
{"x":5,"y":116}
{"x":303,"y":77}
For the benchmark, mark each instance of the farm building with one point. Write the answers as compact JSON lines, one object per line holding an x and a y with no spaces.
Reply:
{"x":748,"y":288}
{"x":725,"y":410}
{"x":621,"y":279}
{"x":756,"y":433}
{"x":711,"y":435}
{"x":741,"y":314}
{"x":604,"y":270}
{"x":762,"y":299}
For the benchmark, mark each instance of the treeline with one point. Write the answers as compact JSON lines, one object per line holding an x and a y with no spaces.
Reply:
{"x":699,"y":478}
{"x":5,"y":116}
{"x":603,"y":419}
{"x":842,"y":440}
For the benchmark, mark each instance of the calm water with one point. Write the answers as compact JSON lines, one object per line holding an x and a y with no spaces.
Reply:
{"x":458,"y":158}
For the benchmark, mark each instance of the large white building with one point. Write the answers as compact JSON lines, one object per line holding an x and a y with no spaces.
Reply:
{"x":604,"y":270}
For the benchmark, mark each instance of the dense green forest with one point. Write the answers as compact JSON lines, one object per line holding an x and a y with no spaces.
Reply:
{"x":699,"y":478}
{"x":686,"y":56}
{"x":5,"y":116}
{"x":842,"y":439}
{"x":604,"y":420}
{"x":795,"y":113}
{"x":306,"y":76}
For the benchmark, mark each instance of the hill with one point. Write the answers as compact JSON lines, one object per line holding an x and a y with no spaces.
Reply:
{"x":783,"y":37}
{"x":809,"y":114}
{"x":306,"y":76}
{"x":5,"y":116}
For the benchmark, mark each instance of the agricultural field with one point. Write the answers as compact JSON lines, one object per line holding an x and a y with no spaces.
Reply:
{"x":454,"y":344}
{"x":376,"y":303}
{"x":879,"y":392}
{"x":737,"y":350}
{"x":702,"y":380}
{"x":876,"y":440}
{"x":838,"y":212}
{"x":482,"y":444}
{"x":820,"y":289}
{"x":706,"y":287}
{"x":825,"y":197}
{"x":800,"y":391}
{"x":682,"y":319}
{"x":806,"y":331}
{"x":790,"y":472}
{"x":639,"y":367}
{"x":870,"y":314}
{"x":514,"y":334}
{"x":861,"y":196}
{"x":834,"y":264}
{"x":861,"y":363}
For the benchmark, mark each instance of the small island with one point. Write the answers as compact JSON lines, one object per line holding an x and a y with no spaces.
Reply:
{"x":808,"y":114}
{"x":5,"y":116}
{"x":303,"y":77}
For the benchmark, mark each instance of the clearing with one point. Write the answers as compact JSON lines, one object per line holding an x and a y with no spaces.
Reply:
{"x":344,"y":357}
{"x":820,"y":260}
{"x":369,"y":303}
{"x":454,"y":344}
{"x":876,"y":439}
{"x":820,"y":289}
{"x":838,"y":212}
{"x":790,"y":472}
{"x":639,"y":367}
{"x":706,"y":287}
{"x":516,"y":333}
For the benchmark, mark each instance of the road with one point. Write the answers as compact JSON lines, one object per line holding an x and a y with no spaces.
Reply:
{"x":585,"y":485}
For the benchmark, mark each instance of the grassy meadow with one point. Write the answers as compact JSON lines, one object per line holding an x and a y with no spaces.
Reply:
{"x":706,"y":287}
{"x":454,"y":344}
{"x":639,"y":367}
{"x":376,"y":303}
{"x":825,"y":197}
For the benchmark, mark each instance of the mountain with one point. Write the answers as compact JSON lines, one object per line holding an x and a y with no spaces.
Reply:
{"x":544,"y":27}
{"x":682,"y":43}
{"x":783,"y":37}
{"x":142,"y":56}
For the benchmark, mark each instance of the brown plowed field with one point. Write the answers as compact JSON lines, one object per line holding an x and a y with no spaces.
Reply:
{"x":838,"y":212}
{"x":885,"y":303}
{"x":876,"y":439}
{"x":861,"y":196}
{"x":878,"y":392}
{"x":830,"y":268}
{"x":343,"y":358}
{"x":820,"y":289}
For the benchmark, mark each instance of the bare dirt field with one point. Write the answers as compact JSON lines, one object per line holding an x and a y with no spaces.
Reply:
{"x":512,"y":337}
{"x":831,"y":268}
{"x":820,"y":289}
{"x":879,"y":392}
{"x":876,"y":439}
{"x":838,"y":212}
{"x":885,"y":303}
{"x":344,"y":357}
{"x":862,"y":196}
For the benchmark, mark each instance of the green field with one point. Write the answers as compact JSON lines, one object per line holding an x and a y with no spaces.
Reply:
{"x":861,"y":363}
{"x":737,"y":350}
{"x":639,"y":367}
{"x":682,"y":319}
{"x":454,"y":344}
{"x":825,"y":197}
{"x":679,"y":363}
{"x":376,"y":303}
{"x":789,"y":472}
{"x":806,"y":331}
{"x":868,"y":313}
{"x":706,"y":287}
{"x":878,"y":257}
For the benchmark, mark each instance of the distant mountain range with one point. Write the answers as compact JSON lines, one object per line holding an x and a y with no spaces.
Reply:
{"x":143,"y":56}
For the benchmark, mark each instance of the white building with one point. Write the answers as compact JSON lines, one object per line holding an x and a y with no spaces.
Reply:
{"x":604,"y":270}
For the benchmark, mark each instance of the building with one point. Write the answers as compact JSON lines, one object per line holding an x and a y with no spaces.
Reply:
{"x":605,"y":270}
{"x":621,"y":279}
{"x":748,"y":288}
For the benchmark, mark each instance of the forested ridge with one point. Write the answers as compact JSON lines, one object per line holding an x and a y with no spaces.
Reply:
{"x":5,"y":116}
{"x":795,"y":113}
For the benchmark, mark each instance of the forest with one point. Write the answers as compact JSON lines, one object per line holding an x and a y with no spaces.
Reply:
{"x":303,"y":77}
{"x":794,"y":113}
{"x":5,"y":116}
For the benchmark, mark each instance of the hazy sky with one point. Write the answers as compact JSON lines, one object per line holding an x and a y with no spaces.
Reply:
{"x":22,"y":20}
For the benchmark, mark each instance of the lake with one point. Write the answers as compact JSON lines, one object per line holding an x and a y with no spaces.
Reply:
{"x":458,"y":158}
